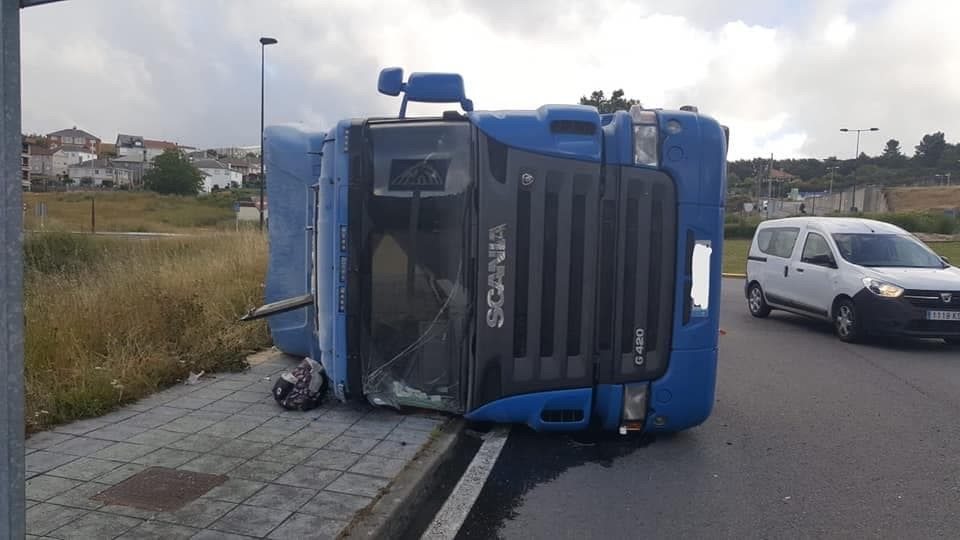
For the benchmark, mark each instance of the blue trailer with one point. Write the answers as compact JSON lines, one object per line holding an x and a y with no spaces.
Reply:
{"x":556,"y":267}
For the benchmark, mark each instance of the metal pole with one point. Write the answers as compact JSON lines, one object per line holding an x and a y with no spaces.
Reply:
{"x":263,"y":176}
{"x":12,"y":496}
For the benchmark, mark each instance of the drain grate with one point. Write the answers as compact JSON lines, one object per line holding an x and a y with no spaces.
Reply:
{"x":160,"y":489}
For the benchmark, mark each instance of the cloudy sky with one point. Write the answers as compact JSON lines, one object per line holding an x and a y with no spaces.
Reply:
{"x":785,"y":76}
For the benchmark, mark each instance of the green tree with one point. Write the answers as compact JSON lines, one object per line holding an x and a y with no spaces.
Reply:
{"x":616,"y":102}
{"x":930,"y":149}
{"x":172,"y":174}
{"x":892,"y":155}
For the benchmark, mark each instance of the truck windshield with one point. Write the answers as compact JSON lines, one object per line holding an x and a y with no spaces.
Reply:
{"x":886,"y":250}
{"x":419,"y":303}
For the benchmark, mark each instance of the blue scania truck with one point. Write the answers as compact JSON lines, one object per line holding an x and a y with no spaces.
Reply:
{"x":555,"y":267}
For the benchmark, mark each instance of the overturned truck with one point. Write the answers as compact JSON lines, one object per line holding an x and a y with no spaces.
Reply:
{"x":555,"y":267}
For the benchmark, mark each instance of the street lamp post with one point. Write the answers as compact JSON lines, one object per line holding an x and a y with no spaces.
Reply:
{"x":856,"y":156}
{"x":264,"y":41}
{"x":832,"y":170}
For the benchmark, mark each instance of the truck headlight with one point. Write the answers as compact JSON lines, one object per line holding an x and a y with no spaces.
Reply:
{"x":882,"y":288}
{"x":646,"y":139}
{"x":636,"y":398}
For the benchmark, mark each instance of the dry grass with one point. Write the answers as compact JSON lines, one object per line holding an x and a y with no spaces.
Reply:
{"x":109,"y":321}
{"x":131,"y":211}
{"x":923,"y":198}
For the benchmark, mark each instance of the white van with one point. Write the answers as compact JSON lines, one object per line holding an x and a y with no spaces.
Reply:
{"x":865,"y":276}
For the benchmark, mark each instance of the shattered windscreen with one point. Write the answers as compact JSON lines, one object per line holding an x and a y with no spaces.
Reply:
{"x":418,"y":232}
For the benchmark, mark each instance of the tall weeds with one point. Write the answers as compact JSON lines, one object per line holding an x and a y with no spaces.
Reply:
{"x":112,"y":320}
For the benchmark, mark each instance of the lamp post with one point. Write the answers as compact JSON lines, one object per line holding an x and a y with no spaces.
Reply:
{"x":856,"y":156}
{"x":264,"y":41}
{"x":833,"y":171}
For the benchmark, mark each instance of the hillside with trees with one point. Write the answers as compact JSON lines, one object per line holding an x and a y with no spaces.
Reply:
{"x":928,"y":164}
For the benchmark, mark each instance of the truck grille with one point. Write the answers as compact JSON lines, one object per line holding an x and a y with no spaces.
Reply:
{"x":637,"y":265}
{"x":548,"y":328}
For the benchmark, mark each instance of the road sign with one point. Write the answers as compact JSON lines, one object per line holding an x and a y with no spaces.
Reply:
{"x":236,"y":207}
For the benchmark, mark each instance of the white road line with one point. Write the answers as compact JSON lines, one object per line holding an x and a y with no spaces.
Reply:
{"x":446,"y":524}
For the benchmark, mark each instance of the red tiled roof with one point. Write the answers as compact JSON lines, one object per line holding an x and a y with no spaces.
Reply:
{"x":163,"y":145}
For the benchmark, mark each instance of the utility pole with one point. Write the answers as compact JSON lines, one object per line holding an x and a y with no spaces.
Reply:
{"x":769,"y":185}
{"x":264,"y":41}
{"x":12,"y":496}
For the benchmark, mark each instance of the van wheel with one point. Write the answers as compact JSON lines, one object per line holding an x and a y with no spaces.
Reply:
{"x":846,"y":321}
{"x":755,"y":301}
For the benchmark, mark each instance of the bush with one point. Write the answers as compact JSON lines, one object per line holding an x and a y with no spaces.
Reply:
{"x":740,"y":227}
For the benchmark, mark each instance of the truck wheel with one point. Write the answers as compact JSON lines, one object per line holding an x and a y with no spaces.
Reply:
{"x":755,"y":301}
{"x":846,"y":322}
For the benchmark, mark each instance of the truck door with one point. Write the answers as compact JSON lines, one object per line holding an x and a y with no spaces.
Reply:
{"x":538,"y":232}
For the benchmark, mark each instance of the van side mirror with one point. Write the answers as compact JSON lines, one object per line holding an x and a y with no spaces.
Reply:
{"x":823,"y":260}
{"x":945,"y":260}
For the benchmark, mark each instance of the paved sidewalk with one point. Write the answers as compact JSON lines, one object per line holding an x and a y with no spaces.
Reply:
{"x":281,"y":474}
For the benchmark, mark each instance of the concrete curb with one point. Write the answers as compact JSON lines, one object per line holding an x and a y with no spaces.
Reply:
{"x":390,"y":515}
{"x":742,"y":276}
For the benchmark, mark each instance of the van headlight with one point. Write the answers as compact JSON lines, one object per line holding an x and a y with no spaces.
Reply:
{"x":882,"y":288}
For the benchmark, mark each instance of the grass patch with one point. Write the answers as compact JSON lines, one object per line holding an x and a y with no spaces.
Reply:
{"x":131,"y":211}
{"x":735,"y":254}
{"x":109,"y":321}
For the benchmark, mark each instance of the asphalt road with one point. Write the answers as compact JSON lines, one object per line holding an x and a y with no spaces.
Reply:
{"x":809,"y":437}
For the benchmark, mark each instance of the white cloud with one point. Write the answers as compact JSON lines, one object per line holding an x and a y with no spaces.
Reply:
{"x":839,"y":31}
{"x":784,"y":77}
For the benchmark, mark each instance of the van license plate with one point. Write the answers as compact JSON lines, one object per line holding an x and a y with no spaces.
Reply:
{"x":943,"y":315}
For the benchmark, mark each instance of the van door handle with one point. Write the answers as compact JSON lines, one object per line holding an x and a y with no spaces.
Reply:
{"x":786,"y":271}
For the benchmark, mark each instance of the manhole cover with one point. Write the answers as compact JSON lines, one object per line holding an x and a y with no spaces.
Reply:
{"x":160,"y":489}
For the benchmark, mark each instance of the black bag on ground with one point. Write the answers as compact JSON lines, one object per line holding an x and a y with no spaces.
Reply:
{"x":303,"y":388}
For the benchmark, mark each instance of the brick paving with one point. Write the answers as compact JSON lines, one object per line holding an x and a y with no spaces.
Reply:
{"x":289,"y":474}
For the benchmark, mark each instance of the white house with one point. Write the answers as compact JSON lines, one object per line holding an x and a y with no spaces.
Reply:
{"x":68,"y":155}
{"x":99,"y":172}
{"x":217,"y":174}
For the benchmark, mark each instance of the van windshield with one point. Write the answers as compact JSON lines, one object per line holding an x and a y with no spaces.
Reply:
{"x":886,"y":250}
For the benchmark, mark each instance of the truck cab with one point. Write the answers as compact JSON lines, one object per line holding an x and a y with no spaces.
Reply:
{"x":554,"y":267}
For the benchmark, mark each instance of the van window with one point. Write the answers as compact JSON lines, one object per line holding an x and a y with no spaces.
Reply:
{"x":816,"y":250}
{"x":778,"y":242}
{"x":886,"y":250}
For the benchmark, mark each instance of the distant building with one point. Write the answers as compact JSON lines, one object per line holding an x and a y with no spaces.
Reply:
{"x":99,"y":173}
{"x":75,"y":137}
{"x":217,"y":173}
{"x":239,"y":152}
{"x":67,"y":155}
{"x":107,"y":150}
{"x":144,"y":150}
{"x":41,"y":163}
{"x":25,"y":165}
{"x":134,"y":165}
{"x":782,"y":176}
